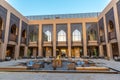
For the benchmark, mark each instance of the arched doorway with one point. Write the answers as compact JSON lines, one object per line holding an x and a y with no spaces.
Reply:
{"x":61,"y":36}
{"x":102,"y":37}
{"x":1,"y":26}
{"x":13,"y":32}
{"x":92,"y":35}
{"x":111,"y":31}
{"x":24,"y":36}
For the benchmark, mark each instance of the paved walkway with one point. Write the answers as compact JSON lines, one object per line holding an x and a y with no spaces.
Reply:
{"x":108,"y":63}
{"x":60,"y":76}
{"x":57,"y":76}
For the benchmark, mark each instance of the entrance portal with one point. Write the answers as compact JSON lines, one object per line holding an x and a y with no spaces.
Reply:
{"x":10,"y":51}
{"x":105,"y":50}
{"x":32,"y":52}
{"x":21,"y":52}
{"x":115,"y":51}
{"x":77,"y":51}
{"x":93,"y":51}
{"x":47,"y":52}
{"x":62,"y":51}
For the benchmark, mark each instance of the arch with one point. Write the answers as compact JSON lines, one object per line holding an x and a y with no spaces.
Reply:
{"x":48,"y":34}
{"x":24,"y":33}
{"x":76,"y":35}
{"x":92,"y":35}
{"x":110,"y":26}
{"x":61,"y":35}
{"x":14,"y":29}
{"x":1,"y":23}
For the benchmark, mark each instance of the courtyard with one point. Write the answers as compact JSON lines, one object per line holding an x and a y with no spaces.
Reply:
{"x":47,"y":75}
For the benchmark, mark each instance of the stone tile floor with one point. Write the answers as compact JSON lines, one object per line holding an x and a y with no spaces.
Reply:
{"x":60,"y":76}
{"x":57,"y":76}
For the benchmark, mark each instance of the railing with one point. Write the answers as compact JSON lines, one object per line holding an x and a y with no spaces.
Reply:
{"x":112,"y":35}
{"x":0,"y":33}
{"x":64,"y":16}
{"x":102,"y":38}
{"x":13,"y":37}
{"x":47,"y":42}
{"x":23,"y":40}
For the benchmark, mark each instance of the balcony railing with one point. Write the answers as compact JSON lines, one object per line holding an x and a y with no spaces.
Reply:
{"x":23,"y":40}
{"x":102,"y":38}
{"x":0,"y":33}
{"x":112,"y":35}
{"x":13,"y":37}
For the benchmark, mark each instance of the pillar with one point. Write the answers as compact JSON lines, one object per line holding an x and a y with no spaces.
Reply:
{"x":4,"y":45}
{"x":16,"y":54}
{"x":101,"y":51}
{"x":34,"y":52}
{"x":17,"y":47}
{"x":84,"y":39}
{"x":1,"y":51}
{"x":40,"y":41}
{"x":26,"y":51}
{"x":54,"y":40}
{"x":117,"y":26}
{"x":108,"y":45}
{"x":69,"y":39}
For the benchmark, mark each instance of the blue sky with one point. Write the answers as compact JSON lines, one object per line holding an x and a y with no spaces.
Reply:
{"x":44,"y":7}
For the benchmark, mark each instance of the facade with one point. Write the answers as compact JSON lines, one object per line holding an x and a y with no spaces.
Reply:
{"x":68,"y":35}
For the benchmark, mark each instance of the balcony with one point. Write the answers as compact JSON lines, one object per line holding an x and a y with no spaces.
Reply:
{"x":47,"y":43}
{"x":61,"y":43}
{"x":23,"y":40}
{"x":13,"y":37}
{"x":112,"y":35}
{"x":102,"y":38}
{"x":0,"y":34}
{"x":76,"y":43}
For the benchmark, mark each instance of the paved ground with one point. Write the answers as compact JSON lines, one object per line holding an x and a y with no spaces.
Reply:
{"x":108,"y":63}
{"x":60,"y":76}
{"x":57,"y":76}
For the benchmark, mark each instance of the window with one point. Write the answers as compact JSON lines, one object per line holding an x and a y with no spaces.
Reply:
{"x":76,"y":35}
{"x":1,"y":23}
{"x":92,"y":35}
{"x":61,"y":36}
{"x":14,"y":29}
{"x":24,"y":34}
{"x":47,"y":36}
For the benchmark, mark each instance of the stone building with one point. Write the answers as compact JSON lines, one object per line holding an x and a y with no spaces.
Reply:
{"x":68,"y":35}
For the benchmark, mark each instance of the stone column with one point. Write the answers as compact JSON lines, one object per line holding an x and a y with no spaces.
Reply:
{"x":101,"y":51}
{"x":117,"y":27}
{"x":25,"y":51}
{"x":16,"y":54}
{"x":106,"y":38}
{"x":34,"y":52}
{"x":109,"y":51}
{"x":84,"y":39}
{"x":54,"y":40}
{"x":69,"y":39}
{"x":1,"y":51}
{"x":40,"y":41}
{"x":17,"y":47}
{"x":4,"y":45}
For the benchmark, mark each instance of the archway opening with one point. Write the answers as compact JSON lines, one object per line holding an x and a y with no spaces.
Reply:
{"x":111,"y":30}
{"x":76,"y":35}
{"x":92,"y":35}
{"x":23,"y":36}
{"x":13,"y":32}
{"x":1,"y":25}
{"x":62,"y":36}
